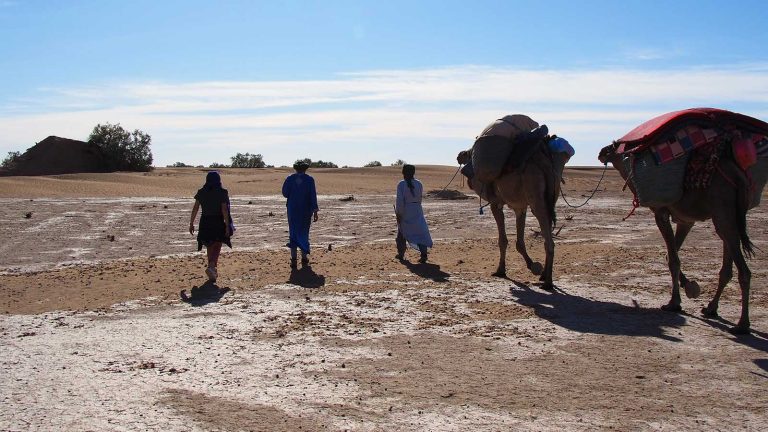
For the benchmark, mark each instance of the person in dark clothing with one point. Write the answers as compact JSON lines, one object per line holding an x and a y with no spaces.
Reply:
{"x":300,"y":190}
{"x":216,"y":225}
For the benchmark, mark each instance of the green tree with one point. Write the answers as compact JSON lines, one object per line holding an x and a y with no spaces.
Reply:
{"x":123,"y":150}
{"x":179,"y":165}
{"x":398,"y":163}
{"x":247,"y":160}
{"x":372,"y":164}
{"x":317,"y":164}
{"x":217,"y":165}
{"x":10,"y":161}
{"x":321,"y":164}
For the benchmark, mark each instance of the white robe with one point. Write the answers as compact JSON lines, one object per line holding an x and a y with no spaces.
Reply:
{"x":413,"y":226}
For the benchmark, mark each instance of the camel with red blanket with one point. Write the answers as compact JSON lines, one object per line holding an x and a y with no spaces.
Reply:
{"x":733,"y":186}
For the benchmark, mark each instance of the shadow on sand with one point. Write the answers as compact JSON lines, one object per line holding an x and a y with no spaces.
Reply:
{"x":306,"y":277}
{"x":756,"y":340}
{"x":206,"y":293}
{"x":427,"y":271}
{"x":762,"y":364}
{"x":594,"y":316}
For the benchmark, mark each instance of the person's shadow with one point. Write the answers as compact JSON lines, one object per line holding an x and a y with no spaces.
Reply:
{"x":427,"y":271}
{"x":201,"y":295}
{"x":584,"y":315}
{"x":305,"y":277}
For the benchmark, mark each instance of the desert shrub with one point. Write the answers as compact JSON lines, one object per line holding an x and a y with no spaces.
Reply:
{"x":317,"y":164}
{"x":217,"y":165}
{"x":247,"y":160}
{"x":372,"y":164}
{"x":398,"y":163}
{"x":179,"y":165}
{"x":10,"y":161}
{"x":123,"y":150}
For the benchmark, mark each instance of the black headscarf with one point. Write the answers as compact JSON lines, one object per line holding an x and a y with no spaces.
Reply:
{"x":408,"y":172}
{"x":212,"y":180}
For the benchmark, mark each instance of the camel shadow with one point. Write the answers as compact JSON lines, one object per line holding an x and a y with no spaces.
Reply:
{"x":305,"y":277}
{"x":427,"y":271}
{"x":762,"y":364}
{"x":595,"y":316}
{"x":756,"y":340}
{"x":206,"y":293}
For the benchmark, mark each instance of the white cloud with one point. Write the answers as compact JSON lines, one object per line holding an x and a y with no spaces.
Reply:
{"x":357,"y":117}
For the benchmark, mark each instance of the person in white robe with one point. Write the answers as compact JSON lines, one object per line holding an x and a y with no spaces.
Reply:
{"x":412,"y":227}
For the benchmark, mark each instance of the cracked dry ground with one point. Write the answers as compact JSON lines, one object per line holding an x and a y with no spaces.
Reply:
{"x":361,"y":341}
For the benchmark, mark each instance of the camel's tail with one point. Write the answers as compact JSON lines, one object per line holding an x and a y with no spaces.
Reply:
{"x":551,"y":193}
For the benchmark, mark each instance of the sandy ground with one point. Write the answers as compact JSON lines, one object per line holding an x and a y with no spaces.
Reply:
{"x":96,"y":336}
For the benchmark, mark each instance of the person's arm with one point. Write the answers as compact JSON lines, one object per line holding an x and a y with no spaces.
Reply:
{"x":287,"y":187}
{"x":399,"y":201}
{"x":225,"y":215}
{"x":313,"y":199}
{"x":195,"y":209}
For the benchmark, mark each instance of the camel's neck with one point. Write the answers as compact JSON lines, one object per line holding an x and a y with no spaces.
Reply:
{"x":619,"y":166}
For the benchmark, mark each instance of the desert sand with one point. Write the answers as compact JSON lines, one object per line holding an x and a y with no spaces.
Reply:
{"x":96,"y":335}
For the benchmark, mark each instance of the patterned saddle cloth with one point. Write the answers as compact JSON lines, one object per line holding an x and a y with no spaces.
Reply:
{"x":702,"y":163}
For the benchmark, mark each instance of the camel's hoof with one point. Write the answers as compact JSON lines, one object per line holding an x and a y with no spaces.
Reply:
{"x":692,"y":289}
{"x":709,"y":313}
{"x":672,"y":308}
{"x":536,"y":268}
{"x":740,"y":330}
{"x":548,"y":286}
{"x":500,"y":274}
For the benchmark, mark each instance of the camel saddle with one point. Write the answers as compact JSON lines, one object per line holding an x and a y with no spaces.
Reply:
{"x":525,"y":145}
{"x":658,"y":128}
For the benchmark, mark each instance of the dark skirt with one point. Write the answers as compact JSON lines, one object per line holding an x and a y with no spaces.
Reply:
{"x":211,"y":230}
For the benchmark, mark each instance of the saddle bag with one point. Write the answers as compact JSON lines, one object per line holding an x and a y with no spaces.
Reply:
{"x":656,"y":185}
{"x":489,"y":153}
{"x":759,"y":175}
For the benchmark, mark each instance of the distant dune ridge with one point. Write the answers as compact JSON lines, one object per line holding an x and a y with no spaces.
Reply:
{"x":56,"y":155}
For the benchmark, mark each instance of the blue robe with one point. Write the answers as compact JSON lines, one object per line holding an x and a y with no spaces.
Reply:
{"x":299,"y":188}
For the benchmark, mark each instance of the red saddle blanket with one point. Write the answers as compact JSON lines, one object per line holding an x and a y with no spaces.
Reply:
{"x":678,"y":132}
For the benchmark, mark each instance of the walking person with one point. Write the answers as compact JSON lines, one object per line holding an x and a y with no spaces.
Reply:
{"x":215,"y":226}
{"x":411,"y":225}
{"x":299,"y":189}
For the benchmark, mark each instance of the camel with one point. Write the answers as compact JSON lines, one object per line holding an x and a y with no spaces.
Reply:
{"x":726,"y":202}
{"x":536,"y":184}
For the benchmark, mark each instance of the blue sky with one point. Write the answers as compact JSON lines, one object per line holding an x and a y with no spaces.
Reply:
{"x":355,"y":81}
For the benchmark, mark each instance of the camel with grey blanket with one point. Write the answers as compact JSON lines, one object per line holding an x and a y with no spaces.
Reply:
{"x":726,"y":202}
{"x":535,"y":184}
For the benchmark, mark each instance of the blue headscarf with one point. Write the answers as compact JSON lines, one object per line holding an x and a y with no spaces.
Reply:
{"x":212,"y":180}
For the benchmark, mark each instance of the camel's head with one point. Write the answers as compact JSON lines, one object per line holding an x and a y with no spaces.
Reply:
{"x":464,"y":157}
{"x":607,"y":153}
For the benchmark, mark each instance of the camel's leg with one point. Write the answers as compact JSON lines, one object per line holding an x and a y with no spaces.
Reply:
{"x":498,"y":216}
{"x":673,"y":260}
{"x":726,"y":274}
{"x":545,"y":223}
{"x":727,"y":230}
{"x":534,"y":267}
{"x":745,"y":278}
{"x":692,"y":289}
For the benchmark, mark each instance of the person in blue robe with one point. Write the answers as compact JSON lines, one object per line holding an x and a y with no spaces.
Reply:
{"x":299,"y":189}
